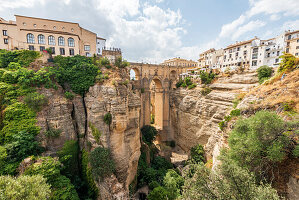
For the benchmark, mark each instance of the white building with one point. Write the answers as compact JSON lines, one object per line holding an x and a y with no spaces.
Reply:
{"x":238,"y":54}
{"x":101,"y":43}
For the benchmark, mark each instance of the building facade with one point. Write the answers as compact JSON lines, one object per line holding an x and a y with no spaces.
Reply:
{"x":292,"y":42}
{"x":64,"y":38}
{"x":179,"y":62}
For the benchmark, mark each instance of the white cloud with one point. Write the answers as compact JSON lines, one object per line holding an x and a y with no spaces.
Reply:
{"x":275,"y":17}
{"x":252,"y":25}
{"x":228,"y":29}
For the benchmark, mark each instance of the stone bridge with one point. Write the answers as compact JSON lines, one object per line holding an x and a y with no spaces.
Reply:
{"x":155,"y":82}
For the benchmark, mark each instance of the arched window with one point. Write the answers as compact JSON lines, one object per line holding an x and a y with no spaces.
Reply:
{"x":61,"y":41}
{"x":51,"y":40}
{"x":30,"y":38}
{"x":41,"y":39}
{"x":71,"y":42}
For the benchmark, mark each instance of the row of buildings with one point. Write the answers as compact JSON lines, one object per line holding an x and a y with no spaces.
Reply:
{"x":251,"y":53}
{"x":64,"y":38}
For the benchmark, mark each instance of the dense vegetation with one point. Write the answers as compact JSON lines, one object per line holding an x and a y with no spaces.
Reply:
{"x":289,"y":63}
{"x":70,"y":177}
{"x":187,"y":82}
{"x":206,"y":77}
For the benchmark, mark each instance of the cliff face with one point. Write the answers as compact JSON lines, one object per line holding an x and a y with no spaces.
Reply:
{"x":123,"y":136}
{"x":195,"y":117}
{"x":75,"y":119}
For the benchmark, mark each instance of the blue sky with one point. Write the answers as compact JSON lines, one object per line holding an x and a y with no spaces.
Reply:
{"x":154,"y":30}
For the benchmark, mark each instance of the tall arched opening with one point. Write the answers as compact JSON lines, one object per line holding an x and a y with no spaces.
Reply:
{"x":134,"y":74}
{"x":157,"y":103}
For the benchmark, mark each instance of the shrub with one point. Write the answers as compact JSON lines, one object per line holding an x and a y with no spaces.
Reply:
{"x":95,"y":132}
{"x":24,"y":187}
{"x":197,"y":154}
{"x":205,"y":91}
{"x":77,"y":71}
{"x":69,"y":95}
{"x":102,"y":164}
{"x":148,"y":134}
{"x":153,"y":185}
{"x":158,"y":193}
{"x":289,"y":62}
{"x":23,"y":57}
{"x":53,"y":133}
{"x":161,"y":163}
{"x":22,"y":146}
{"x":221,"y":125}
{"x":179,"y":83}
{"x":35,"y":101}
{"x":192,"y":86}
{"x":68,"y":156}
{"x":49,"y":168}
{"x":120,"y":63}
{"x":264,"y":72}
{"x":235,"y":113}
{"x":108,"y":118}
{"x":206,"y":78}
{"x":173,"y":182}
{"x":296,"y":151}
{"x":92,"y":189}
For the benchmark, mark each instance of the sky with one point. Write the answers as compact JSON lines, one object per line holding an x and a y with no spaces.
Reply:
{"x":151,"y":31}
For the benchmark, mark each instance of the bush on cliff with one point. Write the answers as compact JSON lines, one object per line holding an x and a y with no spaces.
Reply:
{"x":102,"y":164}
{"x":289,"y":62}
{"x":148,"y":134}
{"x":264,"y":73}
{"x":24,"y":187}
{"x":23,"y":57}
{"x":78,"y":72}
{"x":206,"y":78}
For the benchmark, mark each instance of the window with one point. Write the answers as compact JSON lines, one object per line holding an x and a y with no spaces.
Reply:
{"x":287,"y":50}
{"x":34,"y":25}
{"x":278,"y":53}
{"x":4,"y":32}
{"x":237,"y":54}
{"x":238,"y":49}
{"x":254,"y":63}
{"x":268,"y":55}
{"x":72,"y":52}
{"x":289,"y":37}
{"x":276,"y":60}
{"x":51,"y":40}
{"x":61,"y":41}
{"x":86,"y":47}
{"x":230,"y":50}
{"x":42,"y":48}
{"x":53,"y":50}
{"x":31,"y":47}
{"x":255,"y":50}
{"x":296,"y":54}
{"x":297,"y":41}
{"x":5,"y":41}
{"x":230,"y":55}
{"x":62,"y":51}
{"x":30,"y":38}
{"x":24,"y":24}
{"x":41,"y":39}
{"x":71,"y":42}
{"x":87,"y":54}
{"x":54,"y":27}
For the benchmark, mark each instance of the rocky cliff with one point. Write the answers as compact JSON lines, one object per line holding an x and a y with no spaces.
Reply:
{"x":77,"y":119}
{"x":195,"y":117}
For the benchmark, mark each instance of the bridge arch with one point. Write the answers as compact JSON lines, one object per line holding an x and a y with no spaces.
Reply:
{"x":134,"y":74}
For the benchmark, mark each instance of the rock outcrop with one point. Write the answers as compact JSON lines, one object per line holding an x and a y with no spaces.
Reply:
{"x":195,"y":117}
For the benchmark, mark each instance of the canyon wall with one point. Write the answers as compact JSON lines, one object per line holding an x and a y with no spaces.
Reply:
{"x":76,"y":118}
{"x":195,"y":117}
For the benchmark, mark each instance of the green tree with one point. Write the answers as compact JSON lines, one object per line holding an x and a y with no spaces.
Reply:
{"x":173,"y":183}
{"x":289,"y":62}
{"x":258,"y":142}
{"x":24,"y":188}
{"x":148,"y":134}
{"x":264,"y":73}
{"x":158,"y":193}
{"x":206,"y":78}
{"x":228,"y":182}
{"x":197,"y":154}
